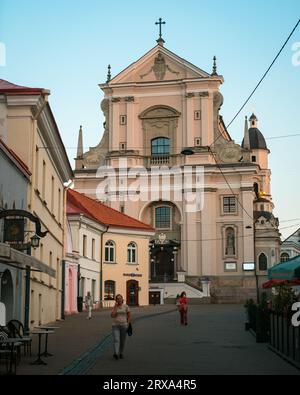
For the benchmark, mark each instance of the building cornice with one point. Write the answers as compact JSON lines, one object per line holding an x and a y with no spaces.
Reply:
{"x":129,"y":231}
{"x":82,"y":219}
{"x":54,"y":144}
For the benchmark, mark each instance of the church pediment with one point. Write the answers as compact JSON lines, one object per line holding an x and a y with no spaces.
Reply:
{"x":159,"y":112}
{"x":159,"y":64}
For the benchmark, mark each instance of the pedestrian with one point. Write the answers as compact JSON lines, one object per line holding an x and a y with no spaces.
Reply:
{"x":177,"y":301}
{"x":183,"y":308}
{"x":89,"y":305}
{"x":121,"y":318}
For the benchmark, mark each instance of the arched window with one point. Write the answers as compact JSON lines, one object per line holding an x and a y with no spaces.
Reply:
{"x":263,"y":262}
{"x":284,"y":257}
{"x":163,"y":217}
{"x":160,"y":146}
{"x":109,"y":290}
{"x":132,"y":253}
{"x":109,"y":251}
{"x":230,"y":241}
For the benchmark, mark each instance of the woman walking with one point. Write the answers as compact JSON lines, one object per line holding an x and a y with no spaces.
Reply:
{"x":183,"y":308}
{"x":89,"y":305}
{"x":122,"y":317}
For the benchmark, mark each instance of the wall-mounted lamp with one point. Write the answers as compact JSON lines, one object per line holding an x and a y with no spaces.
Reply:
{"x":35,"y":241}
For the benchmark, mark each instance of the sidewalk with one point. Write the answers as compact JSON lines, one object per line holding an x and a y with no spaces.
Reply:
{"x":76,"y":335}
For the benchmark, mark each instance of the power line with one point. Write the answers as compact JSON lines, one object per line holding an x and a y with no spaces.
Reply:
{"x":291,"y":220}
{"x":280,"y":137}
{"x":225,"y":178}
{"x":283,"y":137}
{"x":266,"y":73}
{"x":240,"y":237}
{"x":148,"y":146}
{"x":261,"y":80}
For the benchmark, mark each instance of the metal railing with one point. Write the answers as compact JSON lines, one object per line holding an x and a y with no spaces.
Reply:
{"x":284,"y":337}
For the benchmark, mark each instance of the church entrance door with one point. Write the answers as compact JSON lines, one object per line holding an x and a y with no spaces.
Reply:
{"x":164,"y":266}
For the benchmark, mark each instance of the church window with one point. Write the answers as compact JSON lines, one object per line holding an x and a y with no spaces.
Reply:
{"x":131,"y":253}
{"x":229,"y":205}
{"x":44,"y":180}
{"x":284,"y":257}
{"x":163,"y":217}
{"x":110,"y":251}
{"x":123,"y":120}
{"x":160,"y":146}
{"x":84,"y":245}
{"x":263,"y":262}
{"x":109,"y":290}
{"x":253,"y":158}
{"x":230,"y":242}
{"x":197,"y":115}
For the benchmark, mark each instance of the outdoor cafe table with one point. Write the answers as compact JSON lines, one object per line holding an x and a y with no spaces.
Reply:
{"x":11,"y":341}
{"x":39,"y":361}
{"x":48,"y":329}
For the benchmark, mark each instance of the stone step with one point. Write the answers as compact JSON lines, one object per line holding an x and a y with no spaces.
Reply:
{"x":191,"y":301}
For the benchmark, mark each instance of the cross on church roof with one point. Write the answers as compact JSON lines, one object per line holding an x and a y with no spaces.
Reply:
{"x":160,"y":23}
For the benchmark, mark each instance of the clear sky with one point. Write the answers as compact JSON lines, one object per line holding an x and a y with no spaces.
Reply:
{"x":66,"y":45}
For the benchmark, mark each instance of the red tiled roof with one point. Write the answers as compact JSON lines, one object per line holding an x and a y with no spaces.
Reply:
{"x":15,"y":157}
{"x":81,"y":204}
{"x":9,"y":88}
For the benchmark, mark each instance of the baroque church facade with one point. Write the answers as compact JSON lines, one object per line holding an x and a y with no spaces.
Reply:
{"x":161,"y":113}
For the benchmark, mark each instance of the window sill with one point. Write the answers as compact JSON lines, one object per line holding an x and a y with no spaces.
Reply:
{"x":110,"y":263}
{"x":132,"y":264}
{"x":233,"y":213}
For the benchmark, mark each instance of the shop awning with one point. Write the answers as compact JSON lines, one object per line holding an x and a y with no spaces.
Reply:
{"x":289,"y":270}
{"x":19,"y":260}
{"x":274,"y":283}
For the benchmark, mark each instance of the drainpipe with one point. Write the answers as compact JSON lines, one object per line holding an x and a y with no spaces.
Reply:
{"x":27,"y":295}
{"x":27,"y":300}
{"x":63,"y":276}
{"x":79,"y":303}
{"x":101,"y":267}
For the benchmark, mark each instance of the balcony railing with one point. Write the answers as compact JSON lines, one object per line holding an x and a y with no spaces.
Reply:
{"x":160,"y":160}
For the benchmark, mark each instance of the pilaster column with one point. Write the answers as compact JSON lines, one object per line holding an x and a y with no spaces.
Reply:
{"x":207,"y":120}
{"x":133,"y":139}
{"x":190,"y":134}
{"x":115,"y":130}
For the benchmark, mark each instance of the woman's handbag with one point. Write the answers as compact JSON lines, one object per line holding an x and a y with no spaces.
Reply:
{"x":129,"y":329}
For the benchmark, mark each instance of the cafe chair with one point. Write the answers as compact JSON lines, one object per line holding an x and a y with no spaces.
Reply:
{"x":6,"y":353}
{"x":17,"y":330}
